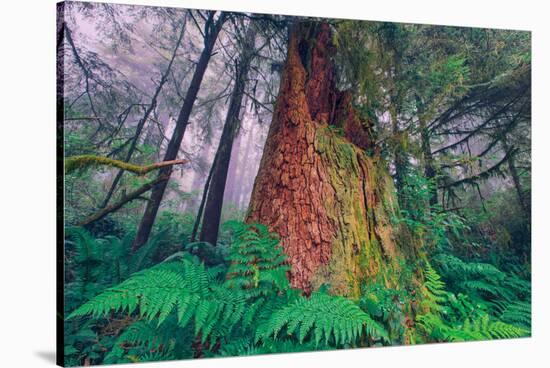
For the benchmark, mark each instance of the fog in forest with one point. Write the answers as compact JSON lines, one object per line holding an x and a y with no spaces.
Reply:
{"x":140,"y":62}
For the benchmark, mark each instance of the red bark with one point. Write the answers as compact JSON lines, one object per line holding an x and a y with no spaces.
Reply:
{"x":296,"y":185}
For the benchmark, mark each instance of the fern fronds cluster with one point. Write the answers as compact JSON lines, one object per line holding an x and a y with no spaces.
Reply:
{"x":324,"y":317}
{"x":257,"y":261}
{"x":181,"y":287}
{"x":456,"y":318}
{"x":248,"y":307}
{"x":244,"y":304}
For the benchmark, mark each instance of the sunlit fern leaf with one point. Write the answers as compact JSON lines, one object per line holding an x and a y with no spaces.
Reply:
{"x":180,"y":288}
{"x":435,"y":294}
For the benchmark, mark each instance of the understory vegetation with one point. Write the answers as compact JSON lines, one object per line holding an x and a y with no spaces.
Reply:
{"x":148,"y":306}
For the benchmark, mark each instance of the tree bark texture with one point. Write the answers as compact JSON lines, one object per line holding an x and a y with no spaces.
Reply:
{"x":328,"y":200}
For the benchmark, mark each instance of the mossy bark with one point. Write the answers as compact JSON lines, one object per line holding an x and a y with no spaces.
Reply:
{"x":317,"y":187}
{"x":83,"y":162}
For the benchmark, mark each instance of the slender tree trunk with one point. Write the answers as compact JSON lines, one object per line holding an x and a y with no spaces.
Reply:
{"x":399,"y":157}
{"x":522,"y":200}
{"x":233,"y":178}
{"x":246,"y":169}
{"x":200,"y":211}
{"x":214,"y":199}
{"x":329,"y":201}
{"x":429,"y":168}
{"x":212,"y":29}
{"x":144,"y":119}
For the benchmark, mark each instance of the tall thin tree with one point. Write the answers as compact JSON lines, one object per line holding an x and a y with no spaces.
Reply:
{"x":214,"y":199}
{"x":212,"y":28}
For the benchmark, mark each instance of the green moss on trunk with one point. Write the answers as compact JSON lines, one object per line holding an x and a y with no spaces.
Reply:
{"x":362,"y":205}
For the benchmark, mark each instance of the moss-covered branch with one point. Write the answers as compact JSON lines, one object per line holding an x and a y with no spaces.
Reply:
{"x":86,"y":161}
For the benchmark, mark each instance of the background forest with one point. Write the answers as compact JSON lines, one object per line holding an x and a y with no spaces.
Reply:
{"x":242,"y":184}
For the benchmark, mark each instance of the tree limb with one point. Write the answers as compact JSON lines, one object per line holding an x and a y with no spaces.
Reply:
{"x":84,"y":161}
{"x":125,"y":199}
{"x":483,"y":175}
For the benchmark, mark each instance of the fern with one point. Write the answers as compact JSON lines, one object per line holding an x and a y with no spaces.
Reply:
{"x":482,"y":280}
{"x":180,"y":287}
{"x":143,"y":337}
{"x":98,"y":263}
{"x":452,"y":318}
{"x":244,"y":304}
{"x":257,"y":261}
{"x":518,"y":313}
{"x":486,"y":289}
{"x":452,"y":265}
{"x":435,"y":294}
{"x":483,"y":328}
{"x":334,"y":319}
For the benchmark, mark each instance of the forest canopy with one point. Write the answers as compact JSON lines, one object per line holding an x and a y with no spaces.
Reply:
{"x":239,"y":183}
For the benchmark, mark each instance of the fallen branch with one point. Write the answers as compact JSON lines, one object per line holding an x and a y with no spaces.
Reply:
{"x":85,"y":161}
{"x":125,"y":199}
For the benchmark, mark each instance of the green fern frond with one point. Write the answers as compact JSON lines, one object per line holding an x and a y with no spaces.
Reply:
{"x":451,"y":265}
{"x":257,"y":261}
{"x":483,"y":328}
{"x":517,"y":313}
{"x":483,"y":287}
{"x":333,"y":319}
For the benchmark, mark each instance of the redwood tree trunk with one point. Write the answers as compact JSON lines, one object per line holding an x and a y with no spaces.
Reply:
{"x":329,"y":201}
{"x":212,"y":28}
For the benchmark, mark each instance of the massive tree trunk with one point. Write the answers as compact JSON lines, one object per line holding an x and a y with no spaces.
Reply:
{"x":214,"y":199}
{"x":329,"y":201}
{"x":212,"y":29}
